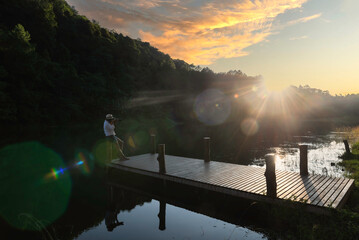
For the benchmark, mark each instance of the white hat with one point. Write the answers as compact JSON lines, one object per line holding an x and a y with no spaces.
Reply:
{"x":109,"y":117}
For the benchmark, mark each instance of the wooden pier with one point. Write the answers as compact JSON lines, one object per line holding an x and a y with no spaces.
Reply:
{"x":314,"y":193}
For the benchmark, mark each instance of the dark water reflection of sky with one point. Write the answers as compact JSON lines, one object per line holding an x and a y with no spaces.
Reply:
{"x":142,"y":222}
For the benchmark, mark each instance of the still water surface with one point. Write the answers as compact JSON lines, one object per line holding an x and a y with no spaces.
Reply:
{"x":323,"y":154}
{"x":142,"y":222}
{"x":86,"y":219}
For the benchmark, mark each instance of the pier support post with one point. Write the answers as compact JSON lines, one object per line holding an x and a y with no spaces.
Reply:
{"x":303,"y":160}
{"x":347,"y":149}
{"x":161,"y":158}
{"x":162,"y":215}
{"x":270,"y":176}
{"x":153,"y":144}
{"x":207,"y":149}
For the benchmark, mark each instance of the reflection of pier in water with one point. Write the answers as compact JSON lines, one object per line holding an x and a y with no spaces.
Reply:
{"x":116,"y":199}
{"x":219,"y":207}
{"x":312,"y":192}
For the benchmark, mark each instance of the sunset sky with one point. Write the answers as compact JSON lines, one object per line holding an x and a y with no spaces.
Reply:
{"x":288,"y":42}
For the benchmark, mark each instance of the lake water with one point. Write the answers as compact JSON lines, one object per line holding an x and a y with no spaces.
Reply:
{"x":323,"y":154}
{"x":84,"y":197}
{"x":142,"y":222}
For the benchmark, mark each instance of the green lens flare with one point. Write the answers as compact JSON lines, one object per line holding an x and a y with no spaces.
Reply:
{"x":102,"y":150}
{"x":34,"y":183}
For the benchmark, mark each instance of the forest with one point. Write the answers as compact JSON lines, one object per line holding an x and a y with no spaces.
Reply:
{"x":58,"y":67}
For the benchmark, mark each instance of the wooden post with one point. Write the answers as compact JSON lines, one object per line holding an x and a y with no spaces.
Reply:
{"x":153,"y":144}
{"x":303,"y":162}
{"x":161,"y":158}
{"x":270,"y":176}
{"x":112,"y":194}
{"x":207,"y":149}
{"x":162,"y":215}
{"x":347,"y":149}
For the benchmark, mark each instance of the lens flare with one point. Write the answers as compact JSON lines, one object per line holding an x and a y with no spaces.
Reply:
{"x":249,"y":126}
{"x":81,"y":162}
{"x":212,"y":107}
{"x":131,"y":142}
{"x":84,"y":161}
{"x":28,"y":188}
{"x":101,"y":150}
{"x":53,"y":174}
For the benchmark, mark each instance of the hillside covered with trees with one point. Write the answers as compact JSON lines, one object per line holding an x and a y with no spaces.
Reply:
{"x":57,"y":66}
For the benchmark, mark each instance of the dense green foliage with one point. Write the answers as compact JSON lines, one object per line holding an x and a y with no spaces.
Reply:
{"x":355,"y":148}
{"x":351,"y":163}
{"x":57,"y":66}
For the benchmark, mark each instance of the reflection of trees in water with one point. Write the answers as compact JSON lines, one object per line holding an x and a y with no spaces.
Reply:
{"x":119,"y":199}
{"x":87,"y":208}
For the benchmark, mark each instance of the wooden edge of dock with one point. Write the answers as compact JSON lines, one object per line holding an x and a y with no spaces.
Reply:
{"x":242,"y":194}
{"x":346,"y":192}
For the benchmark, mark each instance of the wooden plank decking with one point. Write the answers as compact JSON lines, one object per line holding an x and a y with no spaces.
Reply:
{"x":314,"y":192}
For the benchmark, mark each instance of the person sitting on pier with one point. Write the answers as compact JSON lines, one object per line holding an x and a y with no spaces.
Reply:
{"x":109,"y":129}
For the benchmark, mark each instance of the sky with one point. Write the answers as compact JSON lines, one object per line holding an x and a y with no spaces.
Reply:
{"x":287,"y":42}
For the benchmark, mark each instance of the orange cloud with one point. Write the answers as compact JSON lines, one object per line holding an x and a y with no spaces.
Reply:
{"x":198,"y":32}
